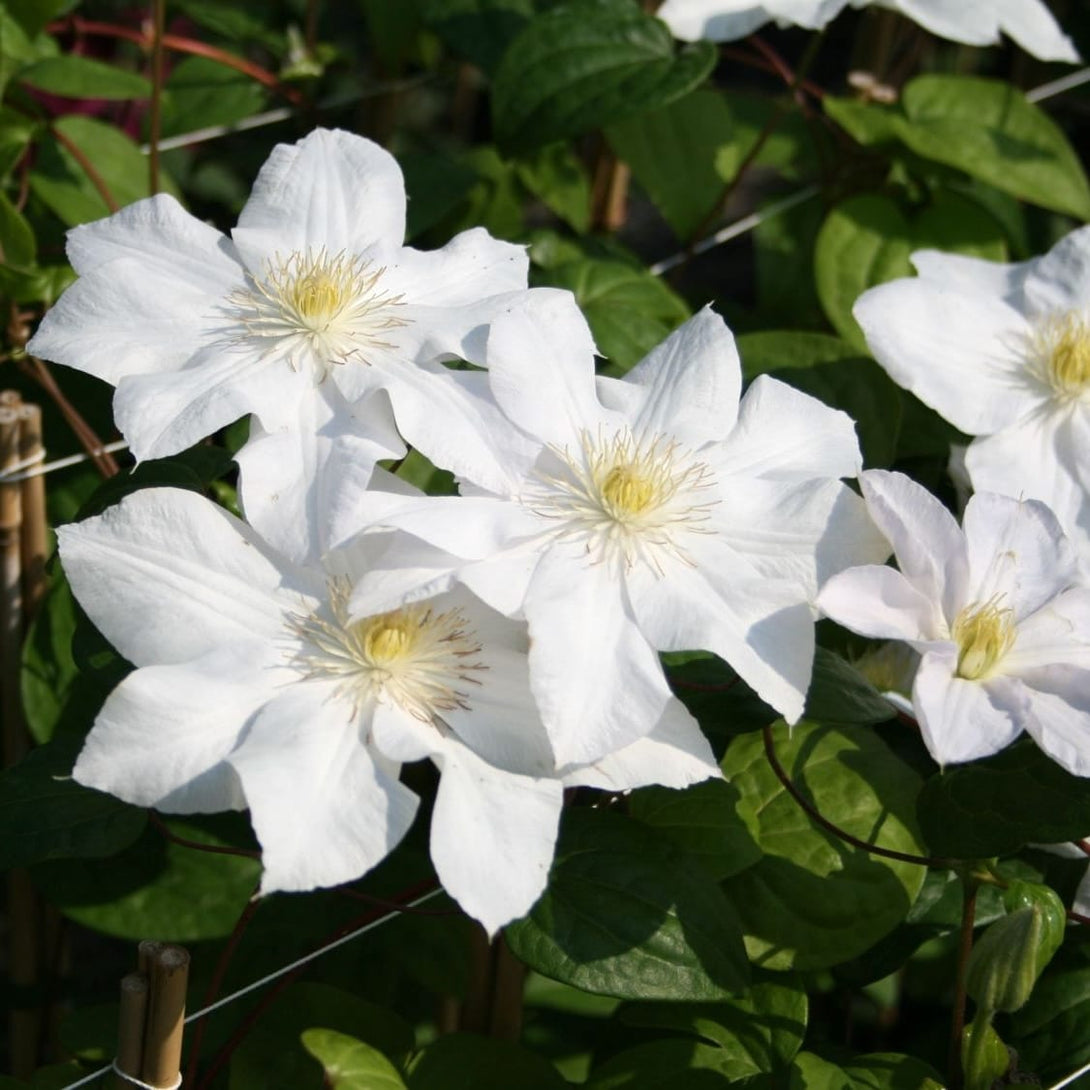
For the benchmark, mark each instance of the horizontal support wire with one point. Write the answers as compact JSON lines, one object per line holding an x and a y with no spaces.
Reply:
{"x":275,"y":975}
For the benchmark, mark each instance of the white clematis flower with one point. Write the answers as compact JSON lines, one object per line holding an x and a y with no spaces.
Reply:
{"x":974,"y":22}
{"x":1003,"y":353}
{"x":624,"y":518}
{"x":256,"y":688}
{"x":311,"y":306}
{"x":1003,"y":636}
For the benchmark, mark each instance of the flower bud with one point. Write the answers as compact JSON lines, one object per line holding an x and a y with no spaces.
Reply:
{"x":1009,"y":957}
{"x":984,"y":1057}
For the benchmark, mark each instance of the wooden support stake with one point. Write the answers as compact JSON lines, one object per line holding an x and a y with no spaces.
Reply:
{"x":35,"y":525}
{"x":146,"y":953}
{"x":162,"y":1060}
{"x":509,"y":979}
{"x":131,"y":1020}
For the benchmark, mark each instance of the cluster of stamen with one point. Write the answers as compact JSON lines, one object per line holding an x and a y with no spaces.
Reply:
{"x":1062,"y":350}
{"x":413,"y":656}
{"x":984,"y":634}
{"x":626,"y":497}
{"x":319,"y":307}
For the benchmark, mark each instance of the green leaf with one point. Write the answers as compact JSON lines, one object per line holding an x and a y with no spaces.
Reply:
{"x":813,"y":900}
{"x":703,"y":820}
{"x":434,"y":185}
{"x":274,"y":1054}
{"x":17,"y":130}
{"x":760,"y":1032}
{"x":986,"y":128}
{"x":892,"y":1071}
{"x":998,"y":805}
{"x":45,"y":814}
{"x":628,"y":914}
{"x":673,"y":154}
{"x":810,"y":1072}
{"x":867,"y":240}
{"x":49,"y":672}
{"x":17,"y":244}
{"x":585,"y":64}
{"x":32,"y":15}
{"x":629,"y":310}
{"x":461,"y":1061}
{"x":350,"y":1064}
{"x":154,"y":887}
{"x":479,"y":30}
{"x":661,"y":1065}
{"x":74,"y":76}
{"x":556,"y":175}
{"x":778,"y":351}
{"x":200,"y":92}
{"x":840,"y":694}
{"x":63,"y":183}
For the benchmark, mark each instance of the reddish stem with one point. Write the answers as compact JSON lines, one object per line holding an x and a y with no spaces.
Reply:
{"x":86,"y":166}
{"x":180,"y":44}
{"x":182,"y":842}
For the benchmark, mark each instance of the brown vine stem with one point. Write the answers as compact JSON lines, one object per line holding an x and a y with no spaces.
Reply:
{"x":970,"y":885}
{"x":104,"y":462}
{"x":86,"y":166}
{"x":828,"y":826}
{"x":180,"y":44}
{"x":216,"y":983}
{"x":196,"y":845}
{"x":1077,"y":917}
{"x":158,"y":14}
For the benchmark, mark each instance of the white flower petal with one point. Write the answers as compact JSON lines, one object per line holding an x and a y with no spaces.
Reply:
{"x":168,"y":576}
{"x":331,"y":190}
{"x":972,"y":275}
{"x":729,"y":20}
{"x":472,"y":266}
{"x":546,"y":347}
{"x":402,"y":737}
{"x":802,"y":531}
{"x":322,"y":810}
{"x":962,"y":354}
{"x":675,"y":754}
{"x":1060,"y":725}
{"x":1017,"y":552}
{"x":493,"y":835}
{"x":161,"y":737}
{"x":784,"y":434}
{"x":291,"y":476}
{"x":164,"y":412}
{"x":596,"y":679}
{"x":691,"y":383}
{"x":881,"y":603}
{"x":1056,"y":635}
{"x":1042,"y":458}
{"x":965,"y":720}
{"x":761,"y":627}
{"x":926,"y":539}
{"x":1060,"y":280}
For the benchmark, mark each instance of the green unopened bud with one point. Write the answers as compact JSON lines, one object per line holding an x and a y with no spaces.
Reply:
{"x":984,"y":1057}
{"x":1009,"y":957}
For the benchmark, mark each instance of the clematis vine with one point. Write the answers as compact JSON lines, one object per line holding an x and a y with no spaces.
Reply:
{"x":1003,"y":634}
{"x":257,"y":687}
{"x":973,"y":22}
{"x":626,"y":517}
{"x":1003,"y":353}
{"x":313,"y":316}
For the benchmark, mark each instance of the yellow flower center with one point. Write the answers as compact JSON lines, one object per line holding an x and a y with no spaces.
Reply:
{"x":1064,"y":350}
{"x":626,"y":491}
{"x":984,"y":634}
{"x":319,"y":309}
{"x":414,"y":657}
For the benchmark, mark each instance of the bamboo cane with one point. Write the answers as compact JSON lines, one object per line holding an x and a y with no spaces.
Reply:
{"x":131,"y":1021}
{"x":34,"y":542}
{"x":162,"y":1061}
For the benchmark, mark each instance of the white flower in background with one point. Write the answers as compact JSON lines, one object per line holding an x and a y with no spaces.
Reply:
{"x":308,"y":308}
{"x":1003,"y":353}
{"x":650,"y":514}
{"x":255,"y":687}
{"x":974,"y":22}
{"x":728,"y":20}
{"x":1003,"y":636}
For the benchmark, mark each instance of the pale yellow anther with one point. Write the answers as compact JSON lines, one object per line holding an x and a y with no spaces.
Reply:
{"x":627,"y":492}
{"x":1064,"y":349}
{"x":984,"y":634}
{"x":387,"y":638}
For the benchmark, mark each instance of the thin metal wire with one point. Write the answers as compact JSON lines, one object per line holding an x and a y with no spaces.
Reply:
{"x":36,"y":467}
{"x":1058,"y":86}
{"x":1070,"y":1078}
{"x":275,"y":975}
